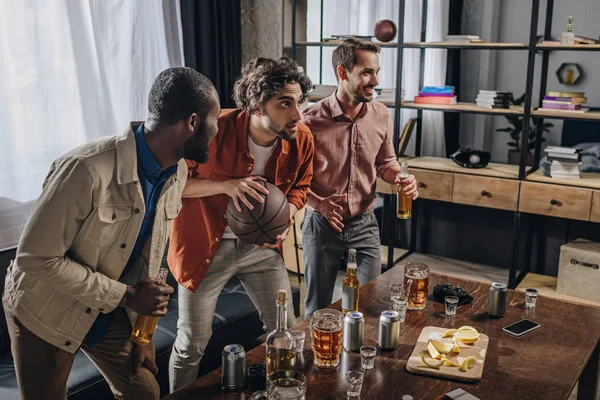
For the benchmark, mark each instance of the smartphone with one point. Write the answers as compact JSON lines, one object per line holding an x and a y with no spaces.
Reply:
{"x":521,"y":327}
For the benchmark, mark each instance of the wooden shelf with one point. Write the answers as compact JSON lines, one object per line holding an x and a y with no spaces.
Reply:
{"x":465,"y":107}
{"x":397,"y":254}
{"x":561,"y":114}
{"x":546,"y":285}
{"x":453,"y":45}
{"x":335,"y":43}
{"x":575,"y":47}
{"x":494,"y":170}
{"x":587,"y":180}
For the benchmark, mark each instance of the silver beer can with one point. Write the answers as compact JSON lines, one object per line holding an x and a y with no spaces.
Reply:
{"x":354,"y":331}
{"x":497,"y":300}
{"x":234,"y":367}
{"x":389,"y":329}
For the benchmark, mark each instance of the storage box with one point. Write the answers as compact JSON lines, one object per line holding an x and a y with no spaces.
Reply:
{"x":579,"y":269}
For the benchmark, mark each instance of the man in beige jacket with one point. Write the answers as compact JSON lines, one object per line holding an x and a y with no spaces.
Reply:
{"x":86,"y":262}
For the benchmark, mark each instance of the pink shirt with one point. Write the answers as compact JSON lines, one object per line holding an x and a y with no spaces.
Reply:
{"x":350,"y":155}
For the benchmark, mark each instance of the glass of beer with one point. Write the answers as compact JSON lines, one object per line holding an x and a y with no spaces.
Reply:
{"x":416,"y":284}
{"x":404,"y":201}
{"x":326,"y":330}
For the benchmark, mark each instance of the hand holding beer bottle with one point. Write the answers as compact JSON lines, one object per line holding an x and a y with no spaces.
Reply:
{"x":145,"y":325}
{"x":407,"y":191}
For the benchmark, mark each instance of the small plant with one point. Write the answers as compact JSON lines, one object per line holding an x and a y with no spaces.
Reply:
{"x":517,"y":128}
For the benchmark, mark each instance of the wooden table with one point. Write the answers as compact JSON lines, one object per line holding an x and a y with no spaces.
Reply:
{"x":543,"y":364}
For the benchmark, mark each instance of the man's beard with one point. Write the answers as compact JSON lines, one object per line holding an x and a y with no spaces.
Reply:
{"x":358,"y":95}
{"x":278,"y":130}
{"x":196,"y":147}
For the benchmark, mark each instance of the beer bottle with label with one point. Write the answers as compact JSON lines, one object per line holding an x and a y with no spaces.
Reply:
{"x":145,"y":325}
{"x":280,"y":343}
{"x":351,"y":284}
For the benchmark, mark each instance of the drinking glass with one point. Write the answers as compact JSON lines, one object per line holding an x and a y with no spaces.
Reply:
{"x":286,"y":385}
{"x":531,"y":295}
{"x":416,"y":283}
{"x":326,"y":330}
{"x":451,"y":304}
{"x":354,"y":379}
{"x":367,"y":357}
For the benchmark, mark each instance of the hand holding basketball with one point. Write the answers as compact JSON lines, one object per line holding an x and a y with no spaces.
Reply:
{"x":239,"y":189}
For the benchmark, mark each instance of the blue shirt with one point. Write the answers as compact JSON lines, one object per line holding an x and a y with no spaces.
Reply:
{"x":152,"y":180}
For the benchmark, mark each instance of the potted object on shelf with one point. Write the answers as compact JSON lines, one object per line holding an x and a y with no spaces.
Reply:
{"x":515,"y":131}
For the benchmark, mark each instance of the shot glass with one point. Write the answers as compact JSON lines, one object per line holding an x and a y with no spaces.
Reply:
{"x":396,"y":290}
{"x":451,"y":304}
{"x":400,"y":304}
{"x":367,"y":357}
{"x":530,"y":297}
{"x":299,"y":336}
{"x":354,"y":379}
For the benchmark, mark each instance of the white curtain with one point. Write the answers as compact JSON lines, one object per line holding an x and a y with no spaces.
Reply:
{"x":71,"y":71}
{"x":358,"y":17}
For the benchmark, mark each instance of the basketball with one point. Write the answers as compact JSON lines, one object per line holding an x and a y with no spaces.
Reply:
{"x":385,"y":30}
{"x":263,"y":223}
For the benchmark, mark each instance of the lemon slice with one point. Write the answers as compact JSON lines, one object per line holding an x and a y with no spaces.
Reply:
{"x":431,"y":363}
{"x":467,"y":336}
{"x":432,"y":350}
{"x":450,"y":363}
{"x":467,"y":363}
{"x":467,"y":328}
{"x":449,"y":332}
{"x":455,"y":348}
{"x":442,"y":347}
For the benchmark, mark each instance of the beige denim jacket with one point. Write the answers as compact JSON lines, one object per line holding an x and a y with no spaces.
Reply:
{"x":79,"y":239}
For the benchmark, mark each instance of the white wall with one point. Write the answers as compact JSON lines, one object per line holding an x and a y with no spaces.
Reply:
{"x":512,"y":65}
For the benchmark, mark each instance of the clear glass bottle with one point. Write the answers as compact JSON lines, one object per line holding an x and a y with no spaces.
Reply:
{"x":145,"y":325}
{"x":404,"y":201}
{"x":280,"y":343}
{"x":351,"y":284}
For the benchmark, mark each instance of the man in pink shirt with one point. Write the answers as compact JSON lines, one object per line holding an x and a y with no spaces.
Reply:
{"x":353,"y":146}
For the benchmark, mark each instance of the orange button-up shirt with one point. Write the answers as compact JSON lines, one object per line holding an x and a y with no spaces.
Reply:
{"x":350,"y":154}
{"x":199,"y":227}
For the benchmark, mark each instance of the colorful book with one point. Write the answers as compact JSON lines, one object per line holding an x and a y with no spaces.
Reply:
{"x":435,"y":94}
{"x":435,"y":100}
{"x":566,"y":94}
{"x":438,"y":89}
{"x":574,"y":100}
{"x":559,"y":106}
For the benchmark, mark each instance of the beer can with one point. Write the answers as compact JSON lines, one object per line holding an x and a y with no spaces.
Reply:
{"x":354,"y":331}
{"x":389,"y":329}
{"x":497,"y":300}
{"x":233,"y":367}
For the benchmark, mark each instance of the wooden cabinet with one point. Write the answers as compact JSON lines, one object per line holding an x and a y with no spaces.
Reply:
{"x":595,"y":212}
{"x":556,"y":201}
{"x":502,"y":194}
{"x":434,"y":185}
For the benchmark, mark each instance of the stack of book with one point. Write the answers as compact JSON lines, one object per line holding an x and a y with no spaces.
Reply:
{"x":565,"y":101}
{"x":562,"y":162}
{"x":436,"y":95}
{"x":493,"y":99}
{"x":388,"y":95}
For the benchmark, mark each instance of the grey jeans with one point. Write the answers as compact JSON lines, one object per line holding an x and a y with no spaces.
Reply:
{"x":324,"y":247}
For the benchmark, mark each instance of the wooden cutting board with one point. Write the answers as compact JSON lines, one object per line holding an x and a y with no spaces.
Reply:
{"x":477,"y":349}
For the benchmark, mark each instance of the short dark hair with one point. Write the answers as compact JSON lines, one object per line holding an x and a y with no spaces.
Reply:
{"x":262,"y":78}
{"x":178,"y":92}
{"x":345,"y":53}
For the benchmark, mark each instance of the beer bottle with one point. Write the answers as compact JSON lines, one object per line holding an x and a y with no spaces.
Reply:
{"x":351,"y":284}
{"x":146,"y":325}
{"x":404,"y":201}
{"x":280,"y":343}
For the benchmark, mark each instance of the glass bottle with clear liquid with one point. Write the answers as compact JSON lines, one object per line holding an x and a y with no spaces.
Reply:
{"x":280,"y":343}
{"x":404,"y":201}
{"x":351,"y":284}
{"x":145,"y":325}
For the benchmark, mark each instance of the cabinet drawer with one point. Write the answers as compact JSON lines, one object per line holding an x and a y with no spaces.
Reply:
{"x":595,"y":214}
{"x":434,"y":185}
{"x":481,"y":191}
{"x":556,"y":201}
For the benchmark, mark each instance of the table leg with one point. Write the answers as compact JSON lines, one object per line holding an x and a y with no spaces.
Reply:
{"x":588,"y":381}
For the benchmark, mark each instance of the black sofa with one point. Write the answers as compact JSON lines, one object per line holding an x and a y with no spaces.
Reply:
{"x":236,"y":321}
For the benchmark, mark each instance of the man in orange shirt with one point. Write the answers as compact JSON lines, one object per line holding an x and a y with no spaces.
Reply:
{"x":353,"y":141}
{"x":262,"y":138}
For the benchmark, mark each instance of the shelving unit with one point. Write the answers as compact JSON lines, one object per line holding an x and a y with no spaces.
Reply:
{"x":445,"y":173}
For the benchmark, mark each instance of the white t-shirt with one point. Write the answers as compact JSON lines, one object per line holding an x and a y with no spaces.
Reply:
{"x":261,"y":155}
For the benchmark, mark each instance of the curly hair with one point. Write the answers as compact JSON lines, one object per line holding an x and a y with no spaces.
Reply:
{"x":262,"y":78}
{"x":178,"y":92}
{"x":345,"y":53}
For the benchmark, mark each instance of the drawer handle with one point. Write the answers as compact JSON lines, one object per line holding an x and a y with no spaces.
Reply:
{"x":554,"y":202}
{"x":584,"y":264}
{"x":421,"y":185}
{"x":485,"y":193}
